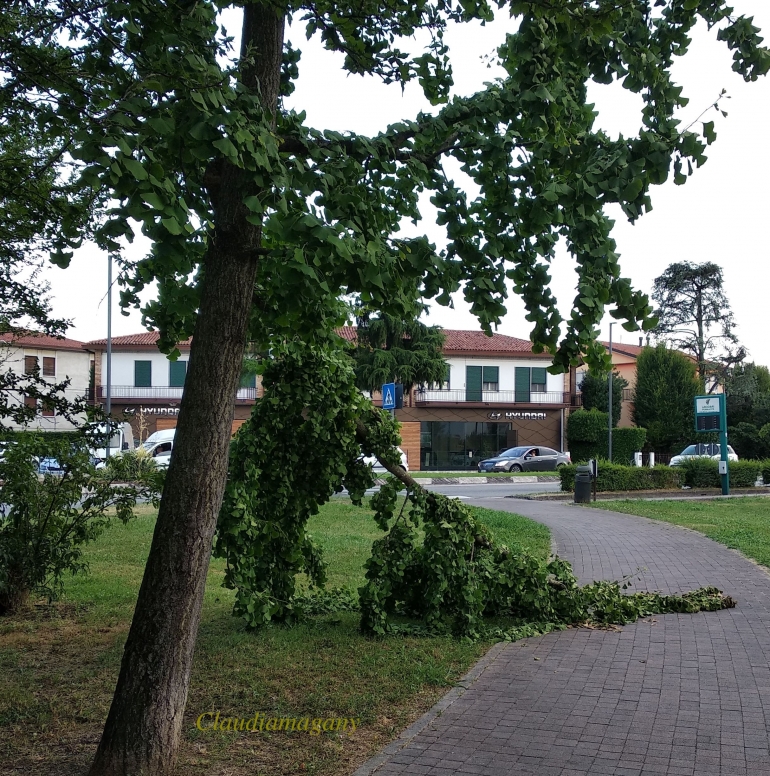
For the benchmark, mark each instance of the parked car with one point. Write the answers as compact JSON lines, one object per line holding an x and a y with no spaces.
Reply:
{"x":50,"y":466}
{"x":378,"y":467}
{"x":708,"y":450}
{"x":525,"y":459}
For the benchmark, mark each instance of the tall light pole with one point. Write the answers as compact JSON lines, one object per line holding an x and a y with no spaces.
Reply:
{"x":108,"y":399}
{"x":609,"y":400}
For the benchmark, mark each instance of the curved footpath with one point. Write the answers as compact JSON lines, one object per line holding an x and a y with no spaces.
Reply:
{"x":683,"y":695}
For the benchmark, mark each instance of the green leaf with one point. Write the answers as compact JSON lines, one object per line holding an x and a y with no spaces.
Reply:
{"x":135,"y":168}
{"x":172,"y":225}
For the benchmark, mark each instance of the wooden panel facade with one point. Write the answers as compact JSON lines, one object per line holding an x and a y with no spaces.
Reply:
{"x":410,"y":444}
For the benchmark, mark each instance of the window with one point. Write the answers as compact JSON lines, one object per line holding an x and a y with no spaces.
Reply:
{"x":177,"y":371}
{"x":30,"y":402}
{"x":248,"y":380}
{"x":48,"y":411}
{"x":473,"y":383}
{"x":521,"y":384}
{"x":538,"y":379}
{"x":49,"y":366}
{"x":142,"y":374}
{"x":490,"y":378}
{"x":30,"y":365}
{"x":446,"y":446}
{"x":528,"y":381}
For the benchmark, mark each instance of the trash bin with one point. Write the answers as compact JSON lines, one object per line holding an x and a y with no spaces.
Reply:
{"x":583,"y":484}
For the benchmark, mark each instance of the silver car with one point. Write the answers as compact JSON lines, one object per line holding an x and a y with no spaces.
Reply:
{"x":525,"y":459}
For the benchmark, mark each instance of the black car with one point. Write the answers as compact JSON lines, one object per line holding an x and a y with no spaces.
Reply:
{"x":525,"y":459}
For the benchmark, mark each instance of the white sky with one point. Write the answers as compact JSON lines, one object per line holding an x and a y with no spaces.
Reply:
{"x":720,"y":215}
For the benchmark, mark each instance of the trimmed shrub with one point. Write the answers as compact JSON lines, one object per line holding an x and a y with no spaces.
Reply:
{"x":613,"y":477}
{"x":765,"y":469}
{"x":626,"y":442}
{"x":585,"y":431}
{"x":704,"y":473}
{"x":587,"y":438}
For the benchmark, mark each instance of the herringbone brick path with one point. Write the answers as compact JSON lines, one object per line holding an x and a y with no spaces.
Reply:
{"x":681,"y":695}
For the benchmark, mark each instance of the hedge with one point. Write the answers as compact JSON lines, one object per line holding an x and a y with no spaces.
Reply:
{"x":587,"y":438}
{"x":704,"y":473}
{"x":613,"y":477}
{"x":585,"y":431}
{"x":626,"y":442}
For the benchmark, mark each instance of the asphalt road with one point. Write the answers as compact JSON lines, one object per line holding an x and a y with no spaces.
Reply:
{"x":495,"y":491}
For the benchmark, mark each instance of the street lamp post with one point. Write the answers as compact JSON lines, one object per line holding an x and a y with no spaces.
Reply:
{"x":609,"y":401}
{"x":108,"y":398}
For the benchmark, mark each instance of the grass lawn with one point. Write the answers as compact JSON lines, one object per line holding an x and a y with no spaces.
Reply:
{"x":59,"y":664}
{"x":741,"y":523}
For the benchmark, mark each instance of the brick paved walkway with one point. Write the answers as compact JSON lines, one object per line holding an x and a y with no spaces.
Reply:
{"x":683,"y":695}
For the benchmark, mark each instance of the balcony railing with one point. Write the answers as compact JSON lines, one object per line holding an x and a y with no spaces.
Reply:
{"x":154,"y":392}
{"x":491,"y":397}
{"x":577,"y":398}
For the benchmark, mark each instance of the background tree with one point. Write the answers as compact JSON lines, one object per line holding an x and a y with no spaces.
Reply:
{"x":666,"y":384}
{"x":595,"y":392}
{"x":259,"y":222}
{"x":747,"y":389}
{"x":390,"y":349}
{"x":695,"y":317}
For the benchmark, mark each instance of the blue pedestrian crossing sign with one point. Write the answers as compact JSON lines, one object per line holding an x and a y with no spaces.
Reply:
{"x":389,"y":396}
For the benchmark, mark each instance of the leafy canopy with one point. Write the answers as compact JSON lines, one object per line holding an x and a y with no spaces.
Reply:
{"x":595,"y":391}
{"x":694,"y":316}
{"x":666,"y":385}
{"x":140,"y":96}
{"x":406,"y":351}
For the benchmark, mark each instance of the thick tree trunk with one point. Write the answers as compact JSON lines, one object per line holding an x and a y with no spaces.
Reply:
{"x":142,"y":733}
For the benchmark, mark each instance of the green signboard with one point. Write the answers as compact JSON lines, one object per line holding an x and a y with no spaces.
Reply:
{"x":711,"y":416}
{"x":709,"y":413}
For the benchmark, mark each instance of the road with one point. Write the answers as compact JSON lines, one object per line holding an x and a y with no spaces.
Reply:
{"x":496,"y":491}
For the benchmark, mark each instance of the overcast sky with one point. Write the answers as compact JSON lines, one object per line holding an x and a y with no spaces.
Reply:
{"x":722,"y":214}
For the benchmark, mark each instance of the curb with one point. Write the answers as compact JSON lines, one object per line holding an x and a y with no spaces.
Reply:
{"x":464,"y":683}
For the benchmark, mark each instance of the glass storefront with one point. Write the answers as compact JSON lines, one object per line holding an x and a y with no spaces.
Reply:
{"x":460,"y":446}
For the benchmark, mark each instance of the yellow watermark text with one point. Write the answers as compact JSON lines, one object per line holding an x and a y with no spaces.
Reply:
{"x":261,"y":723}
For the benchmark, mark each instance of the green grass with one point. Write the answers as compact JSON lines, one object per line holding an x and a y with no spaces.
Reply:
{"x":741,"y":523}
{"x":59,"y":665}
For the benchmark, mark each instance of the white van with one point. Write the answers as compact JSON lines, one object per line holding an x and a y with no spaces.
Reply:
{"x":122,"y":439}
{"x":159,"y":445}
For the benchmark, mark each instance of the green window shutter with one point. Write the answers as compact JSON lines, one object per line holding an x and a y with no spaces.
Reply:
{"x":142,"y":374}
{"x":521,"y":383}
{"x":491,"y":374}
{"x":472,"y":383}
{"x":248,"y":380}
{"x":538,"y":375}
{"x":177,"y":371}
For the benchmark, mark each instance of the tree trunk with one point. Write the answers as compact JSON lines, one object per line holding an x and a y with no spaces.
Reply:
{"x":142,"y":733}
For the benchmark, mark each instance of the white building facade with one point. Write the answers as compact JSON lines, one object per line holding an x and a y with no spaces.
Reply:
{"x":56,"y":360}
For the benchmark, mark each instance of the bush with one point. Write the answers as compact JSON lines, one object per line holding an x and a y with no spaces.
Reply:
{"x":626,"y":442}
{"x":704,"y":473}
{"x":594,"y":390}
{"x":585,"y":431}
{"x":44,"y":522}
{"x":666,"y":384}
{"x":587,"y":438}
{"x":130,"y":466}
{"x":613,"y":477}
